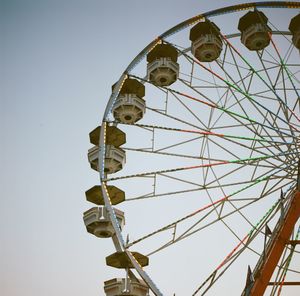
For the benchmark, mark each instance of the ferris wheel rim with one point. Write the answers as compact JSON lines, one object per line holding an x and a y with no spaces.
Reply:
{"x":230,"y":9}
{"x":187,"y":23}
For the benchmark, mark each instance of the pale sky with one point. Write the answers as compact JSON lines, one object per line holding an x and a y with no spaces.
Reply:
{"x":59,"y":59}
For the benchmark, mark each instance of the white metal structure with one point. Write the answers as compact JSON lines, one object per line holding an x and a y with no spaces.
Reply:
{"x":213,"y":161}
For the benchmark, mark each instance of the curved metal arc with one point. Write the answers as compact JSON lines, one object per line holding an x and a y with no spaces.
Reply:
{"x":188,"y":22}
{"x":229,"y":9}
{"x":119,"y":241}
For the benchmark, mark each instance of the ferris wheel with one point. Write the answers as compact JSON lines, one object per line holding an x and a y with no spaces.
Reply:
{"x":199,"y":150}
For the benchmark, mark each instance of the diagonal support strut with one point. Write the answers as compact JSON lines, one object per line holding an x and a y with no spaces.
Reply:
{"x":280,"y":238}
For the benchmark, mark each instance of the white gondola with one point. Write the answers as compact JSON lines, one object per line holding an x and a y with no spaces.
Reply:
{"x":98,"y":223}
{"x":256,"y":34}
{"x":206,"y":41}
{"x":162,"y":67}
{"x":130,"y":106}
{"x":128,"y":287}
{"x":115,"y":158}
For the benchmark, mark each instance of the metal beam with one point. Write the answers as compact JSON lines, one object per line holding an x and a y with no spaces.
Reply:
{"x":284,"y":283}
{"x":280,"y":238}
{"x":294,"y":242}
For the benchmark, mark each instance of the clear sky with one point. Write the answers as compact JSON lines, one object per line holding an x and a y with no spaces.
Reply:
{"x":59,"y":59}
